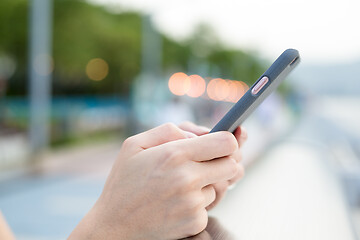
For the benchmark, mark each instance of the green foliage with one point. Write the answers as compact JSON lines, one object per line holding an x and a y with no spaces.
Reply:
{"x":14,"y":38}
{"x":83,"y":31}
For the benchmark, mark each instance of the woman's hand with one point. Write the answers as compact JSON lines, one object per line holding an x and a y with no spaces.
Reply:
{"x":221,"y":187}
{"x":161,"y":184}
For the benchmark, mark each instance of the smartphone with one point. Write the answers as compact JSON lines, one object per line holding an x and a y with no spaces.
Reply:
{"x":256,"y":94}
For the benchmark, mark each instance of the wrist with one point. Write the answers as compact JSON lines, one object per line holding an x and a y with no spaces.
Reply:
{"x":95,"y":226}
{"x":88,"y":228}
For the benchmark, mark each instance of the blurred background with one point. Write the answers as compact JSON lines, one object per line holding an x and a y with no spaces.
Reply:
{"x":78,"y":77}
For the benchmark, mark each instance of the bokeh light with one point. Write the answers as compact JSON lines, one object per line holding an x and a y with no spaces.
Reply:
{"x":234,"y":91}
{"x":240,"y":87}
{"x":226,"y":90}
{"x":245,"y":86}
{"x":217,"y":89}
{"x":222,"y":89}
{"x":211,"y":89}
{"x":179,"y":83}
{"x":97,"y":69}
{"x":197,"y":86}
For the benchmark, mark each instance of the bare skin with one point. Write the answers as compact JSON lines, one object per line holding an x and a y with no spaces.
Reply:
{"x":221,"y":187}
{"x":162,"y":184}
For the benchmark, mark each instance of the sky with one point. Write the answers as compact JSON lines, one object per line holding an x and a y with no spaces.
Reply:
{"x":324,"y":31}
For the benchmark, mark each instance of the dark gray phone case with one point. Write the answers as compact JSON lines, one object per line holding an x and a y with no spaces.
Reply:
{"x":276,"y":73}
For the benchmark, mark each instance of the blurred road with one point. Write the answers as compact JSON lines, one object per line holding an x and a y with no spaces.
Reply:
{"x":48,"y":203}
{"x":293,"y":191}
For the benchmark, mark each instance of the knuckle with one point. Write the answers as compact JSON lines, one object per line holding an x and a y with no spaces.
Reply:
{"x":185,"y":182}
{"x":189,"y":181}
{"x":238,"y":176}
{"x":230,"y":141}
{"x":130,"y":142}
{"x":212,"y":193}
{"x":197,"y":223}
{"x":233,"y":166}
{"x":238,"y":156}
{"x":241,"y":170}
{"x":170,"y":128}
{"x":221,"y":187}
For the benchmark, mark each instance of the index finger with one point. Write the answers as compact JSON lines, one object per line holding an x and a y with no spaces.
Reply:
{"x":193,"y":128}
{"x":206,"y":147}
{"x":154,"y":137}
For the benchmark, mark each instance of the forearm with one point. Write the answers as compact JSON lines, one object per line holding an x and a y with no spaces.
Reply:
{"x":93,"y":227}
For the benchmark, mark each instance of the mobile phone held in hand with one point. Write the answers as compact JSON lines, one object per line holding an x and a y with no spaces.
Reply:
{"x":261,"y":89}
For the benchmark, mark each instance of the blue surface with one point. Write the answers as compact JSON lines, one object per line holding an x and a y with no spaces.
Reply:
{"x":47,"y":207}
{"x":18,"y":107}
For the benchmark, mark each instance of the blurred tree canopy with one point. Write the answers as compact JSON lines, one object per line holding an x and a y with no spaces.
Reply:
{"x":83,"y":31}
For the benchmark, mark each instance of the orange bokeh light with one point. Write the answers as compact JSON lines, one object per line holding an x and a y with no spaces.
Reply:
{"x":234,"y":91}
{"x":211,"y":89}
{"x":97,"y":69}
{"x":241,"y":90}
{"x":222,"y":89}
{"x":197,"y":86}
{"x":179,"y":83}
{"x":217,"y":89}
{"x":245,"y":86}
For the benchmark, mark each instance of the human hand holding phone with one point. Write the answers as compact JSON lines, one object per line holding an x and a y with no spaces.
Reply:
{"x":222,"y":186}
{"x":160,"y":185}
